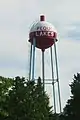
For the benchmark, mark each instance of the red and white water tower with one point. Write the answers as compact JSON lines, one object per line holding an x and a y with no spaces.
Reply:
{"x":43,"y":35}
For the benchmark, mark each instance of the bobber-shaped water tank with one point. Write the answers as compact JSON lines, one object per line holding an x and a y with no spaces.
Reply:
{"x":44,"y":34}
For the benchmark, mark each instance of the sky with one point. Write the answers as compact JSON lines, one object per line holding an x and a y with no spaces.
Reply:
{"x":16,"y":19}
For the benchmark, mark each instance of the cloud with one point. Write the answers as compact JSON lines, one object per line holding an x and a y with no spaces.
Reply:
{"x":73,"y":32}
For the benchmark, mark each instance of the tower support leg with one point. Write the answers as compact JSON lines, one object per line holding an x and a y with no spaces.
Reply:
{"x":33,"y":60}
{"x":57,"y":75}
{"x":53,"y":79}
{"x":30,"y":63}
{"x":43,"y":69}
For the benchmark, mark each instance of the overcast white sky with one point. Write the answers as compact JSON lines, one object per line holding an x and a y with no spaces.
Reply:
{"x":16,"y":18}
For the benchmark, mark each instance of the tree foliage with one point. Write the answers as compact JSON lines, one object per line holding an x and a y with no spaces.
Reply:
{"x":23,"y":100}
{"x":72,"y":108}
{"x":5,"y":85}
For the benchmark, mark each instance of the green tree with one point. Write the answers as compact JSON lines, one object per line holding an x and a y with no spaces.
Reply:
{"x":16,"y":99}
{"x":27,"y":101}
{"x":72,"y":108}
{"x":5,"y":85}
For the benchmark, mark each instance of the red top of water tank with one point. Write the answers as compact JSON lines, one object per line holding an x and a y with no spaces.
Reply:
{"x":42,"y":18}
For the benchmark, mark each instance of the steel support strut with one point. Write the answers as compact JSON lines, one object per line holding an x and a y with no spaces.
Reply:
{"x":33,"y":62}
{"x":57,"y":75}
{"x":30,"y":63}
{"x":43,"y":69}
{"x":53,"y":80}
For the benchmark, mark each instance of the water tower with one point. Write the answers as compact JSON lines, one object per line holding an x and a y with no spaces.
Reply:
{"x":43,"y":36}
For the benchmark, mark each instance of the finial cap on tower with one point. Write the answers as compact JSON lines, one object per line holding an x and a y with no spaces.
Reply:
{"x":42,"y":18}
